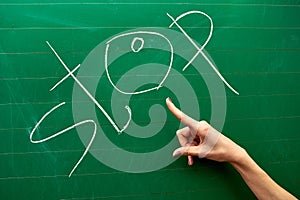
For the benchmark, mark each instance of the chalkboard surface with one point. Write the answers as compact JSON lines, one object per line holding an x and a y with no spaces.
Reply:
{"x":132,"y":53}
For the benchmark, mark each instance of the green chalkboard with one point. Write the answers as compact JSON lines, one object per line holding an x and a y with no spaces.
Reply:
{"x":132,"y":53}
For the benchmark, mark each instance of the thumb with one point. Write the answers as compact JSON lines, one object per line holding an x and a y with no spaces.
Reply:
{"x":186,"y":151}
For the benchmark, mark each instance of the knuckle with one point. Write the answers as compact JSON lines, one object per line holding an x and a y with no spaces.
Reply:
{"x":203,"y":126}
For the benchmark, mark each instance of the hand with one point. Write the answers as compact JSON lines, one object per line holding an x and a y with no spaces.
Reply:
{"x":202,"y":140}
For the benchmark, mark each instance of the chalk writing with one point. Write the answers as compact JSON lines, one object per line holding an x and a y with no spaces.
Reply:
{"x":197,"y":47}
{"x":63,"y":131}
{"x":135,"y":41}
{"x":91,"y":97}
{"x":132,"y":33}
{"x":137,"y":44}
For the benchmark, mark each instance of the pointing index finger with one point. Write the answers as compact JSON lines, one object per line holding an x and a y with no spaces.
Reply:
{"x":185,"y":119}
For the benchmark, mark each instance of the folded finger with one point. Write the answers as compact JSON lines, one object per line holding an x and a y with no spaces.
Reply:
{"x":183,"y":136}
{"x":190,"y":160}
{"x":186,"y":151}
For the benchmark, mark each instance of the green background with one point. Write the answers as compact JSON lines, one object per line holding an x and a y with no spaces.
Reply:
{"x":255,"y":45}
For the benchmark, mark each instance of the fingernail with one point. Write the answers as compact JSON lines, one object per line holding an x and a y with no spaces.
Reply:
{"x":169,"y":99}
{"x":190,"y":160}
{"x":176,"y":153}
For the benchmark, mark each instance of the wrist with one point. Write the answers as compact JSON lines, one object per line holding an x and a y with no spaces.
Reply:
{"x":235,"y":154}
{"x":226,"y":150}
{"x":239,"y":156}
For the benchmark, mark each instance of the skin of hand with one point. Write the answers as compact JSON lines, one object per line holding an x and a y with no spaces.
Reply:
{"x":194,"y":142}
{"x":192,"y":139}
